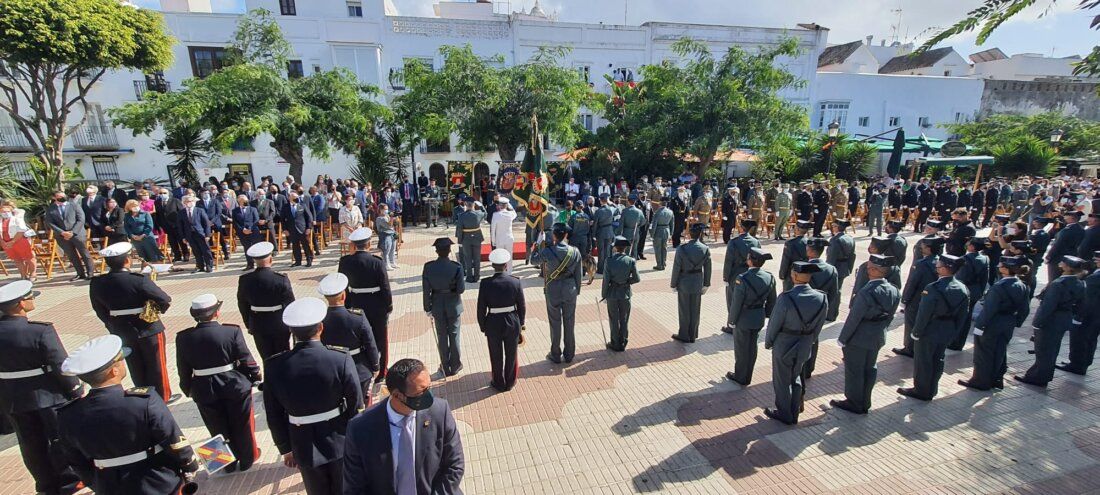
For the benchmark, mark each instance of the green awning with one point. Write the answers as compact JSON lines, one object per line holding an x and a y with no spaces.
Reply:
{"x":958,"y":161}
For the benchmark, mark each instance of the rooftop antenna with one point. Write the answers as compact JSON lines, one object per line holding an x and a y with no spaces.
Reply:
{"x":626,"y":9}
{"x":896,"y":27}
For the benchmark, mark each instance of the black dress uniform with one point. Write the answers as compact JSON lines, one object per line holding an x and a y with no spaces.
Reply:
{"x":959,"y":236}
{"x":1004,"y":308}
{"x":118,"y":298}
{"x":349,"y":329}
{"x":217,"y":370}
{"x":753,"y":300}
{"x":310,"y":394}
{"x":369,"y":292}
{"x":793,"y":328}
{"x":863,"y":335}
{"x":501,"y":311}
{"x":804,"y":203}
{"x":821,"y":209}
{"x":942,"y":312}
{"x":262,"y":295}
{"x":124,"y":442}
{"x":31,"y":387}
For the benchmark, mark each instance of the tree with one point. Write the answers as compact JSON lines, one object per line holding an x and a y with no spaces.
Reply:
{"x":702,"y":104}
{"x":1024,"y":155}
{"x":853,"y":159}
{"x":490,"y":106}
{"x":55,"y":51}
{"x":993,"y":13}
{"x":187,"y":147}
{"x":630,"y":139}
{"x":1081,"y":138}
{"x":322,"y":112}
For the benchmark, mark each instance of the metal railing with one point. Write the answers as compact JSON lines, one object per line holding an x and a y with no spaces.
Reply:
{"x":95,"y":137}
{"x":142,"y":86}
{"x":13,"y":140}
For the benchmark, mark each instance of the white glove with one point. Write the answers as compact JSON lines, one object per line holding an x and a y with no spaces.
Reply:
{"x":978,"y":332}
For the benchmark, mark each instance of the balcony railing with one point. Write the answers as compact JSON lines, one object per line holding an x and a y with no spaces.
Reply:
{"x":143,"y":86}
{"x":95,"y":137}
{"x":13,"y":140}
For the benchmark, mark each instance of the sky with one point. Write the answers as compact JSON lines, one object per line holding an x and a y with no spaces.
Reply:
{"x":1047,"y":28}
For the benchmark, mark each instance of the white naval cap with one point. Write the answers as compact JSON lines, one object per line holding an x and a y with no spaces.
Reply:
{"x":204,"y":302}
{"x":260,"y":250}
{"x":116,"y":249}
{"x":333,"y":284}
{"x":477,"y":203}
{"x":502,"y":200}
{"x":360,"y":234}
{"x":94,"y":355}
{"x":500,"y":256}
{"x":305,"y":312}
{"x":16,"y":291}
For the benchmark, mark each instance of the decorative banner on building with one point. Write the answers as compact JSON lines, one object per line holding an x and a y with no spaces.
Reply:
{"x":460,"y":174}
{"x":508,"y":174}
{"x":215,"y":454}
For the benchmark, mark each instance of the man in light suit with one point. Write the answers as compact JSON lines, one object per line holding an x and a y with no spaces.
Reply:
{"x":408,"y":443}
{"x":66,"y":220}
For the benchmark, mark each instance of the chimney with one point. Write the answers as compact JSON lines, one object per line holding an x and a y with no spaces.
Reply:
{"x":882,"y":42}
{"x":869,"y":38}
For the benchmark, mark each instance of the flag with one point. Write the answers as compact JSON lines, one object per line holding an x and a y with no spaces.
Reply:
{"x":215,"y":454}
{"x":461,"y":174}
{"x":532,"y":192}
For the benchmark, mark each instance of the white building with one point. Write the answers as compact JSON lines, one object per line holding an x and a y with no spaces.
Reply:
{"x":994,"y":64}
{"x":368,"y":38}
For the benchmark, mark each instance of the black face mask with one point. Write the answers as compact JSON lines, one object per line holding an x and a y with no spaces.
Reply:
{"x":420,"y":402}
{"x":58,"y":200}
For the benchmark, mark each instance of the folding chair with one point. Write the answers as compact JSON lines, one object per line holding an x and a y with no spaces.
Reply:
{"x":45,"y":252}
{"x":216,"y":248}
{"x":94,"y":244}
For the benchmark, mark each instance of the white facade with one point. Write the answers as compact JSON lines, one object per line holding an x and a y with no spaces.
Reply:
{"x":361,"y":35}
{"x":1025,"y":67}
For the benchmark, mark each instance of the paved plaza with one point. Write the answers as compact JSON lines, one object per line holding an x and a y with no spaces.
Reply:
{"x":661,"y":417}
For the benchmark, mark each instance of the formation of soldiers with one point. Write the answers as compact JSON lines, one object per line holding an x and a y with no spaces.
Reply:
{"x":319,"y":357}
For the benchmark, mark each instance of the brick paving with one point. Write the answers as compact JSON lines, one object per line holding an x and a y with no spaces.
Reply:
{"x":660,"y":418}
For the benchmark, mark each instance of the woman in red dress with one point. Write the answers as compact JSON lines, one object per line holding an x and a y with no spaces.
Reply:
{"x":13,"y":238}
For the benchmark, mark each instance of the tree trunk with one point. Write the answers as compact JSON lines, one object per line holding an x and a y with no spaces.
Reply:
{"x":293,"y":154}
{"x":507,"y":151}
{"x":702,"y":165}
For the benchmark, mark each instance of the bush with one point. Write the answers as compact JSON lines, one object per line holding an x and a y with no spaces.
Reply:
{"x":1024,"y":155}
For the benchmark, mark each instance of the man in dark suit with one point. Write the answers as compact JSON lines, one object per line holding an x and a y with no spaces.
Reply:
{"x":406,"y":444}
{"x":94,"y":205}
{"x":109,"y":191}
{"x":298,"y":224}
{"x":246,"y":221}
{"x":410,"y":197}
{"x":66,"y":220}
{"x":194,"y":226}
{"x":180,"y":190}
{"x":167,"y":216}
{"x":215,"y":211}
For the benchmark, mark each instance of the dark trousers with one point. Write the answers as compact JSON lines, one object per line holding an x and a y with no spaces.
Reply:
{"x":271,"y":341}
{"x":37,"y":431}
{"x":618,"y":316}
{"x":860,"y":373}
{"x":910,"y":320}
{"x":326,"y":479}
{"x":247,"y":240}
{"x":690,"y":310}
{"x":603,"y":252}
{"x":819,"y":221}
{"x":922,"y":217}
{"x":177,"y":244}
{"x":408,"y":212}
{"x":927,"y":367}
{"x":224,"y":240}
{"x":1048,"y":341}
{"x":379,"y":326}
{"x":1082,"y":347}
{"x":678,"y":225}
{"x":990,"y":211}
{"x":727,"y":229}
{"x":503,"y":347}
{"x":77,"y":253}
{"x":204,"y":259}
{"x":448,"y":341}
{"x":232,"y":417}
{"x":787,"y":362}
{"x":745,"y":343}
{"x":960,"y":339}
{"x":316,"y":236}
{"x":147,"y":364}
{"x":639,"y":246}
{"x":990,"y":359}
{"x":299,"y":242}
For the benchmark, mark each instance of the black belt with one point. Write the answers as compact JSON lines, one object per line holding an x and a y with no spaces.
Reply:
{"x":883,"y":317}
{"x":698,"y":270}
{"x":797,"y":334}
{"x":943,"y":318}
{"x":755,"y":306}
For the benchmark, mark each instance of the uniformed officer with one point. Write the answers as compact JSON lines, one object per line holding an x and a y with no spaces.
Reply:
{"x":469,"y":235}
{"x":32,"y":386}
{"x":1004,"y":308}
{"x":1082,"y":338}
{"x":691,"y":269}
{"x":899,"y":248}
{"x":1040,"y":240}
{"x":974,"y":274}
{"x":824,"y":280}
{"x":878,"y":245}
{"x":793,"y":328}
{"x":604,"y":219}
{"x":932,"y":227}
{"x":752,"y":301}
{"x":311,"y":393}
{"x":348,"y":329}
{"x":581,"y":225}
{"x":122,"y":300}
{"x":821,"y":207}
{"x":1066,"y":241}
{"x":864,"y":334}
{"x":1058,"y":307}
{"x":782,"y":211}
{"x":841,"y":252}
{"x":631,"y":220}
{"x":562,"y":273}
{"x":217,"y":370}
{"x":369,"y":292}
{"x":119,"y":441}
{"x":442,"y":287}
{"x":922,"y":273}
{"x":262,"y":297}
{"x":940,"y":315}
{"x":660,"y":228}
{"x":620,"y":273}
{"x":501,"y":312}
{"x":962,"y":232}
{"x":838,"y":201}
{"x":736,"y":263}
{"x":432,"y":197}
{"x":794,"y":250}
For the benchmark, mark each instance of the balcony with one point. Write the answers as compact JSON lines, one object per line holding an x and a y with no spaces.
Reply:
{"x":143,"y":86}
{"x":13,"y":140}
{"x":92,"y":137}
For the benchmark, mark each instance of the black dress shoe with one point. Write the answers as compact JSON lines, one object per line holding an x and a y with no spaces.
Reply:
{"x":733,"y":378}
{"x":912,"y":392}
{"x":847,"y":406}
{"x":456,"y":370}
{"x":677,"y":337}
{"x":567,"y":360}
{"x":1029,"y":382}
{"x":726,"y":329}
{"x":553,"y":359}
{"x":231,"y":468}
{"x":969,"y":384}
{"x":999,"y":385}
{"x":902,"y":352}
{"x":309,"y":263}
{"x":769,"y":412}
{"x":296,"y":263}
{"x":174,"y":398}
{"x":1065,"y":367}
{"x":498,"y":388}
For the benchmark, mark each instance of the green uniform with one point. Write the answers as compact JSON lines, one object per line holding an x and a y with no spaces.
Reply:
{"x":898,"y":249}
{"x":660,"y":229}
{"x":752,"y":301}
{"x":1004,"y":307}
{"x":841,"y":253}
{"x":1058,"y":307}
{"x":942,"y":312}
{"x":580,"y":236}
{"x":863,"y":335}
{"x":782,"y":212}
{"x":604,"y":220}
{"x":443,"y":287}
{"x":893,"y":276}
{"x":619,"y":274}
{"x":691,"y":269}
{"x":824,"y":281}
{"x":793,"y":250}
{"x":922,"y":273}
{"x":562,"y":269}
{"x":974,"y":274}
{"x":631,"y":221}
{"x":737,"y":257}
{"x":793,"y":328}
{"x":1082,"y":338}
{"x":469,"y":235}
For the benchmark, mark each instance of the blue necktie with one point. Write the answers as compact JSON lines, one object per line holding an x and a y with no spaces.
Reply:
{"x":406,"y":468}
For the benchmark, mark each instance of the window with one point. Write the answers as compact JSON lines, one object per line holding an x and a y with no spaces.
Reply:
{"x":355,"y":9}
{"x":623,"y":74}
{"x":894,"y":121}
{"x":585,"y":72}
{"x":924,"y":122}
{"x":585,"y":121}
{"x":864,"y":121}
{"x":438,"y":147}
{"x":294,"y":69}
{"x":831,"y":111}
{"x":286,"y":7}
{"x":316,"y":68}
{"x":947,"y":72}
{"x":206,"y":59}
{"x":360,"y":60}
{"x":105,"y":168}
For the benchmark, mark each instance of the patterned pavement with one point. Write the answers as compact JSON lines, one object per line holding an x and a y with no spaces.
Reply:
{"x":660,"y":418}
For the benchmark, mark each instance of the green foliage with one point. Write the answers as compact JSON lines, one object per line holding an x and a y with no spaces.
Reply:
{"x":373,"y":163}
{"x":188,"y":147}
{"x":259,"y":40}
{"x":490,"y":105}
{"x":56,"y":50}
{"x":854,"y":159}
{"x":1024,"y":156}
{"x":10,"y":187}
{"x":1081,"y":138}
{"x":793,"y":159}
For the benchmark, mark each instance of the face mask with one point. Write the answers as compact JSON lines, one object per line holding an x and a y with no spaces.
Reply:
{"x":5,"y":215}
{"x":58,"y":200}
{"x":205,"y":196}
{"x":420,"y":402}
{"x":135,"y":209}
{"x":164,"y":197}
{"x":1010,"y":230}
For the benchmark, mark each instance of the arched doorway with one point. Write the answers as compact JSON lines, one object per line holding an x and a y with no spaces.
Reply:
{"x":481,"y":171}
{"x":438,"y":172}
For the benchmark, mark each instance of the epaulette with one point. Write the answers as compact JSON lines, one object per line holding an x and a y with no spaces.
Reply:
{"x":138,"y":392}
{"x":281,"y":274}
{"x":376,"y":256}
{"x":338,"y":348}
{"x":234,"y":325}
{"x":355,"y":311}
{"x":43,"y":323}
{"x":279,"y":355}
{"x":68,"y":403}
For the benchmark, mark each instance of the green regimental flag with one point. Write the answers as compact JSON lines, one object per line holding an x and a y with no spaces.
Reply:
{"x":461,"y":175}
{"x":532,"y":192}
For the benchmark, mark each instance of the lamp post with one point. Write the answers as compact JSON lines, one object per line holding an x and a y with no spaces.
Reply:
{"x":1056,"y":139}
{"x":833,"y":132}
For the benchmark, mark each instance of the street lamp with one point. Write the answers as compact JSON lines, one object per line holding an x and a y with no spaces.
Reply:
{"x":833,"y":132}
{"x":1056,"y":138}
